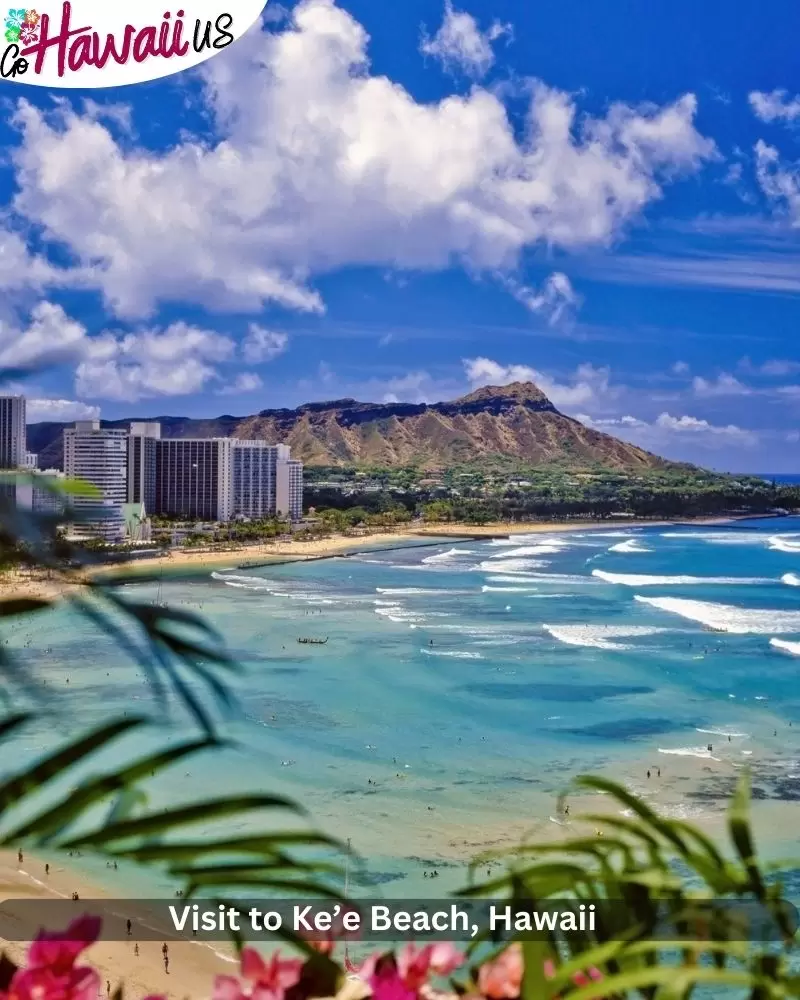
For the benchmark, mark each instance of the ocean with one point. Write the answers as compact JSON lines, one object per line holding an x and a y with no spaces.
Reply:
{"x":463,"y":685}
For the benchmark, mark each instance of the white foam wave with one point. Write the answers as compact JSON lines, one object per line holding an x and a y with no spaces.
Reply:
{"x":791,"y":579}
{"x":531,"y":550}
{"x":233,"y":578}
{"x":447,"y":556}
{"x":507,"y":590}
{"x":417,"y":591}
{"x":642,"y":580}
{"x":512,"y":578}
{"x":599,"y":636}
{"x":702,"y":752}
{"x":456,"y":654}
{"x":783,"y":543}
{"x":788,"y":647}
{"x":530,"y":539}
{"x":723,"y":732}
{"x":726,"y":617}
{"x":495,"y":565}
{"x":632,"y":545}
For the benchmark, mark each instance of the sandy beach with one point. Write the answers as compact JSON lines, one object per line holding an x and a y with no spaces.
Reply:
{"x":24,"y":582}
{"x":193,"y":965}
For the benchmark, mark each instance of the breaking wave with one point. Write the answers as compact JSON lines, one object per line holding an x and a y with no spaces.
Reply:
{"x":702,"y":752}
{"x":726,"y":617}
{"x":782,"y":543}
{"x":447,"y":556}
{"x":787,"y":647}
{"x":456,"y":654}
{"x":791,"y":579}
{"x":632,"y":545}
{"x":599,"y":636}
{"x":641,"y":580}
{"x":495,"y":565}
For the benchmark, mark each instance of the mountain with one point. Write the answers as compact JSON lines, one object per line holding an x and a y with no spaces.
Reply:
{"x":516,"y":421}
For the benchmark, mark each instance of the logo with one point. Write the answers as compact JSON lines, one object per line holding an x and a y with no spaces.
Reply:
{"x":92,"y":43}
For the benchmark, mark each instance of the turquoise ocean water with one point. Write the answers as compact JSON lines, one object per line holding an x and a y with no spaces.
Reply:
{"x":463,"y":684}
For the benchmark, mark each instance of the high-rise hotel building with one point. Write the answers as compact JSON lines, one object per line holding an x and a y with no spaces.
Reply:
{"x":99,"y":456}
{"x":193,"y":478}
{"x":266,"y":481}
{"x":12,"y":432}
{"x":142,"y":463}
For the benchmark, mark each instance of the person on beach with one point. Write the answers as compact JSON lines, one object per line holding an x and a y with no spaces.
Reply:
{"x":164,"y":949}
{"x":136,"y":949}
{"x":108,"y":987}
{"x":659,"y":772}
{"x":166,"y":964}
{"x":47,"y":869}
{"x":648,"y":774}
{"x":19,"y":856}
{"x":128,"y":925}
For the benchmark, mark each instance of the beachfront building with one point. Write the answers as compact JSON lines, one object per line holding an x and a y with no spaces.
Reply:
{"x":266,"y":481}
{"x":142,"y":463}
{"x":295,"y":490}
{"x":31,"y":460}
{"x":12,"y":432}
{"x":39,"y":498}
{"x":99,"y":456}
{"x":193,"y":478}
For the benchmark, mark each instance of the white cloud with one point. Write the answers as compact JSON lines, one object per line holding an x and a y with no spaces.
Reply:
{"x":723,"y":385}
{"x":50,"y":337}
{"x":681,"y":368}
{"x":775,"y":105}
{"x":321,"y":165}
{"x":60,"y":410}
{"x":779,"y":181}
{"x":556,"y":301}
{"x":587,"y":385}
{"x":668,"y":430}
{"x":460,"y":45}
{"x":174,"y":362}
{"x":244,"y":382}
{"x":262,"y":345}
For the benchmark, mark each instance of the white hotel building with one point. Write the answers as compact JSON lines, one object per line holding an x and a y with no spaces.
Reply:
{"x":265,"y":481}
{"x":204,"y":479}
{"x":99,"y":456}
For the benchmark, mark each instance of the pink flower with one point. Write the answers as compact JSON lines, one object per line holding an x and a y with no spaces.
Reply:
{"x":383,"y":976}
{"x":501,"y":979}
{"x":28,"y":35}
{"x":51,"y":973}
{"x":438,"y":959}
{"x":270,"y":978}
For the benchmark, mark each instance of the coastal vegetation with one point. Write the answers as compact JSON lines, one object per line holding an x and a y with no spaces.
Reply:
{"x":514,"y":492}
{"x":675,"y":910}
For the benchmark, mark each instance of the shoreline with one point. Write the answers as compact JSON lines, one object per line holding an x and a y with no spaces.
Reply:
{"x":188,"y":564}
{"x":193,"y":964}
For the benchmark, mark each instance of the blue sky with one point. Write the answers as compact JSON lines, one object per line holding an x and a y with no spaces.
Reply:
{"x":402,"y":202}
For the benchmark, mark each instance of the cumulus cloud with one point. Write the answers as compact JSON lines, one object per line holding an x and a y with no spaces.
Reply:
{"x":775,"y":105}
{"x":667,"y":429}
{"x":556,"y":301}
{"x":723,"y":385}
{"x":460,"y":45}
{"x":51,"y":337}
{"x":587,"y":384}
{"x":60,"y":410}
{"x":176,"y":361}
{"x":244,"y":382}
{"x":262,"y":345}
{"x":319,"y":164}
{"x":779,"y":181}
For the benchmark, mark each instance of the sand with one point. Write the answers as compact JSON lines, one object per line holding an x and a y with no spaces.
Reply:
{"x":193,"y":966}
{"x":176,"y":562}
